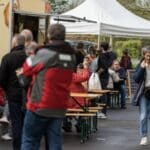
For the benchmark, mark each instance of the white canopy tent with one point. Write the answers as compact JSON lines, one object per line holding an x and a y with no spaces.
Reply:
{"x":111,"y":19}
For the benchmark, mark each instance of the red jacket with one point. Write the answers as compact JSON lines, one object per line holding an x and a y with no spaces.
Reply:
{"x":2,"y":95}
{"x":76,"y":86}
{"x":51,"y":71}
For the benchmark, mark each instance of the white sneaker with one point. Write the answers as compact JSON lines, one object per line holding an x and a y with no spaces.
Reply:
{"x":6,"y":137}
{"x":101,"y":115}
{"x":4,"y":120}
{"x":144,"y":141}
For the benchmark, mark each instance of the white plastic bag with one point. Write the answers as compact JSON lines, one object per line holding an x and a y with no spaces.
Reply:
{"x":94,"y":82}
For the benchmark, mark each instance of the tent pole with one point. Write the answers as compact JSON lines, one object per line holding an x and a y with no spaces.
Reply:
{"x":99,"y":35}
{"x":10,"y":22}
{"x":111,"y":41}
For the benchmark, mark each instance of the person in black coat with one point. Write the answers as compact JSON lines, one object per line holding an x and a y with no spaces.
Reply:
{"x":105,"y":60}
{"x":9,"y":82}
{"x":142,"y":95}
{"x":120,"y":85}
{"x":80,"y":53}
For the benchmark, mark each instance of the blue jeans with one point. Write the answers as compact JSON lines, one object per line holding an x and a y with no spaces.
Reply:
{"x":34,"y":129}
{"x":122,"y":89}
{"x":144,"y":116}
{"x":123,"y":95}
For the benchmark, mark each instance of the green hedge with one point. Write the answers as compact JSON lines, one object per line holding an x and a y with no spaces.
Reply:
{"x":133,"y":46}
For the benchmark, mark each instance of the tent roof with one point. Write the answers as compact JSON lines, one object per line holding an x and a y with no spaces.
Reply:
{"x":113,"y":17}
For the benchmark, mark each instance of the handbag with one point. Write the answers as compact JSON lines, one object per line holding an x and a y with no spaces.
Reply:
{"x":147,"y":92}
{"x":138,"y":94}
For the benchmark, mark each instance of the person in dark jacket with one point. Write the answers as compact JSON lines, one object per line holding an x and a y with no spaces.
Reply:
{"x":30,"y":50}
{"x":51,"y":70}
{"x":141,"y":98}
{"x":9,"y":82}
{"x":80,"y":53}
{"x":120,"y":85}
{"x":105,"y":60}
{"x":125,"y":61}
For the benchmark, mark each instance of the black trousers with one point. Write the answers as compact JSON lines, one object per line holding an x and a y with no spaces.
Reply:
{"x":17,"y":118}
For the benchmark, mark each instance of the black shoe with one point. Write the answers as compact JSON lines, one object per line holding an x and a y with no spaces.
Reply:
{"x":78,"y":128}
{"x":67,"y":126}
{"x":67,"y":129}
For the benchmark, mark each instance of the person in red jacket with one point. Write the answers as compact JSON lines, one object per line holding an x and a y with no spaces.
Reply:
{"x":51,"y":71}
{"x":81,"y":75}
{"x":2,"y":95}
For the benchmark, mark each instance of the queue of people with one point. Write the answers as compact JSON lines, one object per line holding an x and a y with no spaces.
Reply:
{"x":54,"y":110}
{"x":37,"y":81}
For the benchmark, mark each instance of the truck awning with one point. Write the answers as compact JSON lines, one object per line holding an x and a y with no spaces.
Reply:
{"x":24,"y":13}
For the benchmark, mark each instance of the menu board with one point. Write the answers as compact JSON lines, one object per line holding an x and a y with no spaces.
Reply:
{"x":131,"y":84}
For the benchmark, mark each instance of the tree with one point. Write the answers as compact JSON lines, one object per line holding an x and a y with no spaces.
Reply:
{"x":143,"y":3}
{"x":133,"y":6}
{"x":58,"y":6}
{"x":74,"y":3}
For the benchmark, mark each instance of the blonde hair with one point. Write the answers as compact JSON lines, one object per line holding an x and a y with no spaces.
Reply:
{"x":31,"y":48}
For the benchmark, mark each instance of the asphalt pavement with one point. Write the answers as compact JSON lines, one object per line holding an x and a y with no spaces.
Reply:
{"x":118,"y":132}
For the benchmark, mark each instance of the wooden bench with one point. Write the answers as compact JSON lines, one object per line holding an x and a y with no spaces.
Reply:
{"x":96,"y":108}
{"x":89,"y":116}
{"x":81,"y":110}
{"x":80,"y":114}
{"x":101,"y":104}
{"x":88,"y":123}
{"x":114,"y":98}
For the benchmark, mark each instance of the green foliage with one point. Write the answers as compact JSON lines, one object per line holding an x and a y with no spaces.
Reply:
{"x":145,"y":42}
{"x":130,"y":5}
{"x":133,"y":47}
{"x":58,"y":7}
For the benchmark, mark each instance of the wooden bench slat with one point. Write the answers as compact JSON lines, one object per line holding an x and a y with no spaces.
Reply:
{"x":85,"y":95}
{"x":81,"y":114}
{"x":81,"y":110}
{"x":96,"y":108}
{"x":101,"y":104}
{"x":114,"y":92}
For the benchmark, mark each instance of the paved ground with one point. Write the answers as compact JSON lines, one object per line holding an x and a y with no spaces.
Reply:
{"x":118,"y":132}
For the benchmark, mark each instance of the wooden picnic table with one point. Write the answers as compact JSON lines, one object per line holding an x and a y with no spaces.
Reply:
{"x":89,"y":115}
{"x":85,"y":95}
{"x":97,"y":91}
{"x":113,"y":96}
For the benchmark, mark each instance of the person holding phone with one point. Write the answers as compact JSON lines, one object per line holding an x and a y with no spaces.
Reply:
{"x":142,"y":95}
